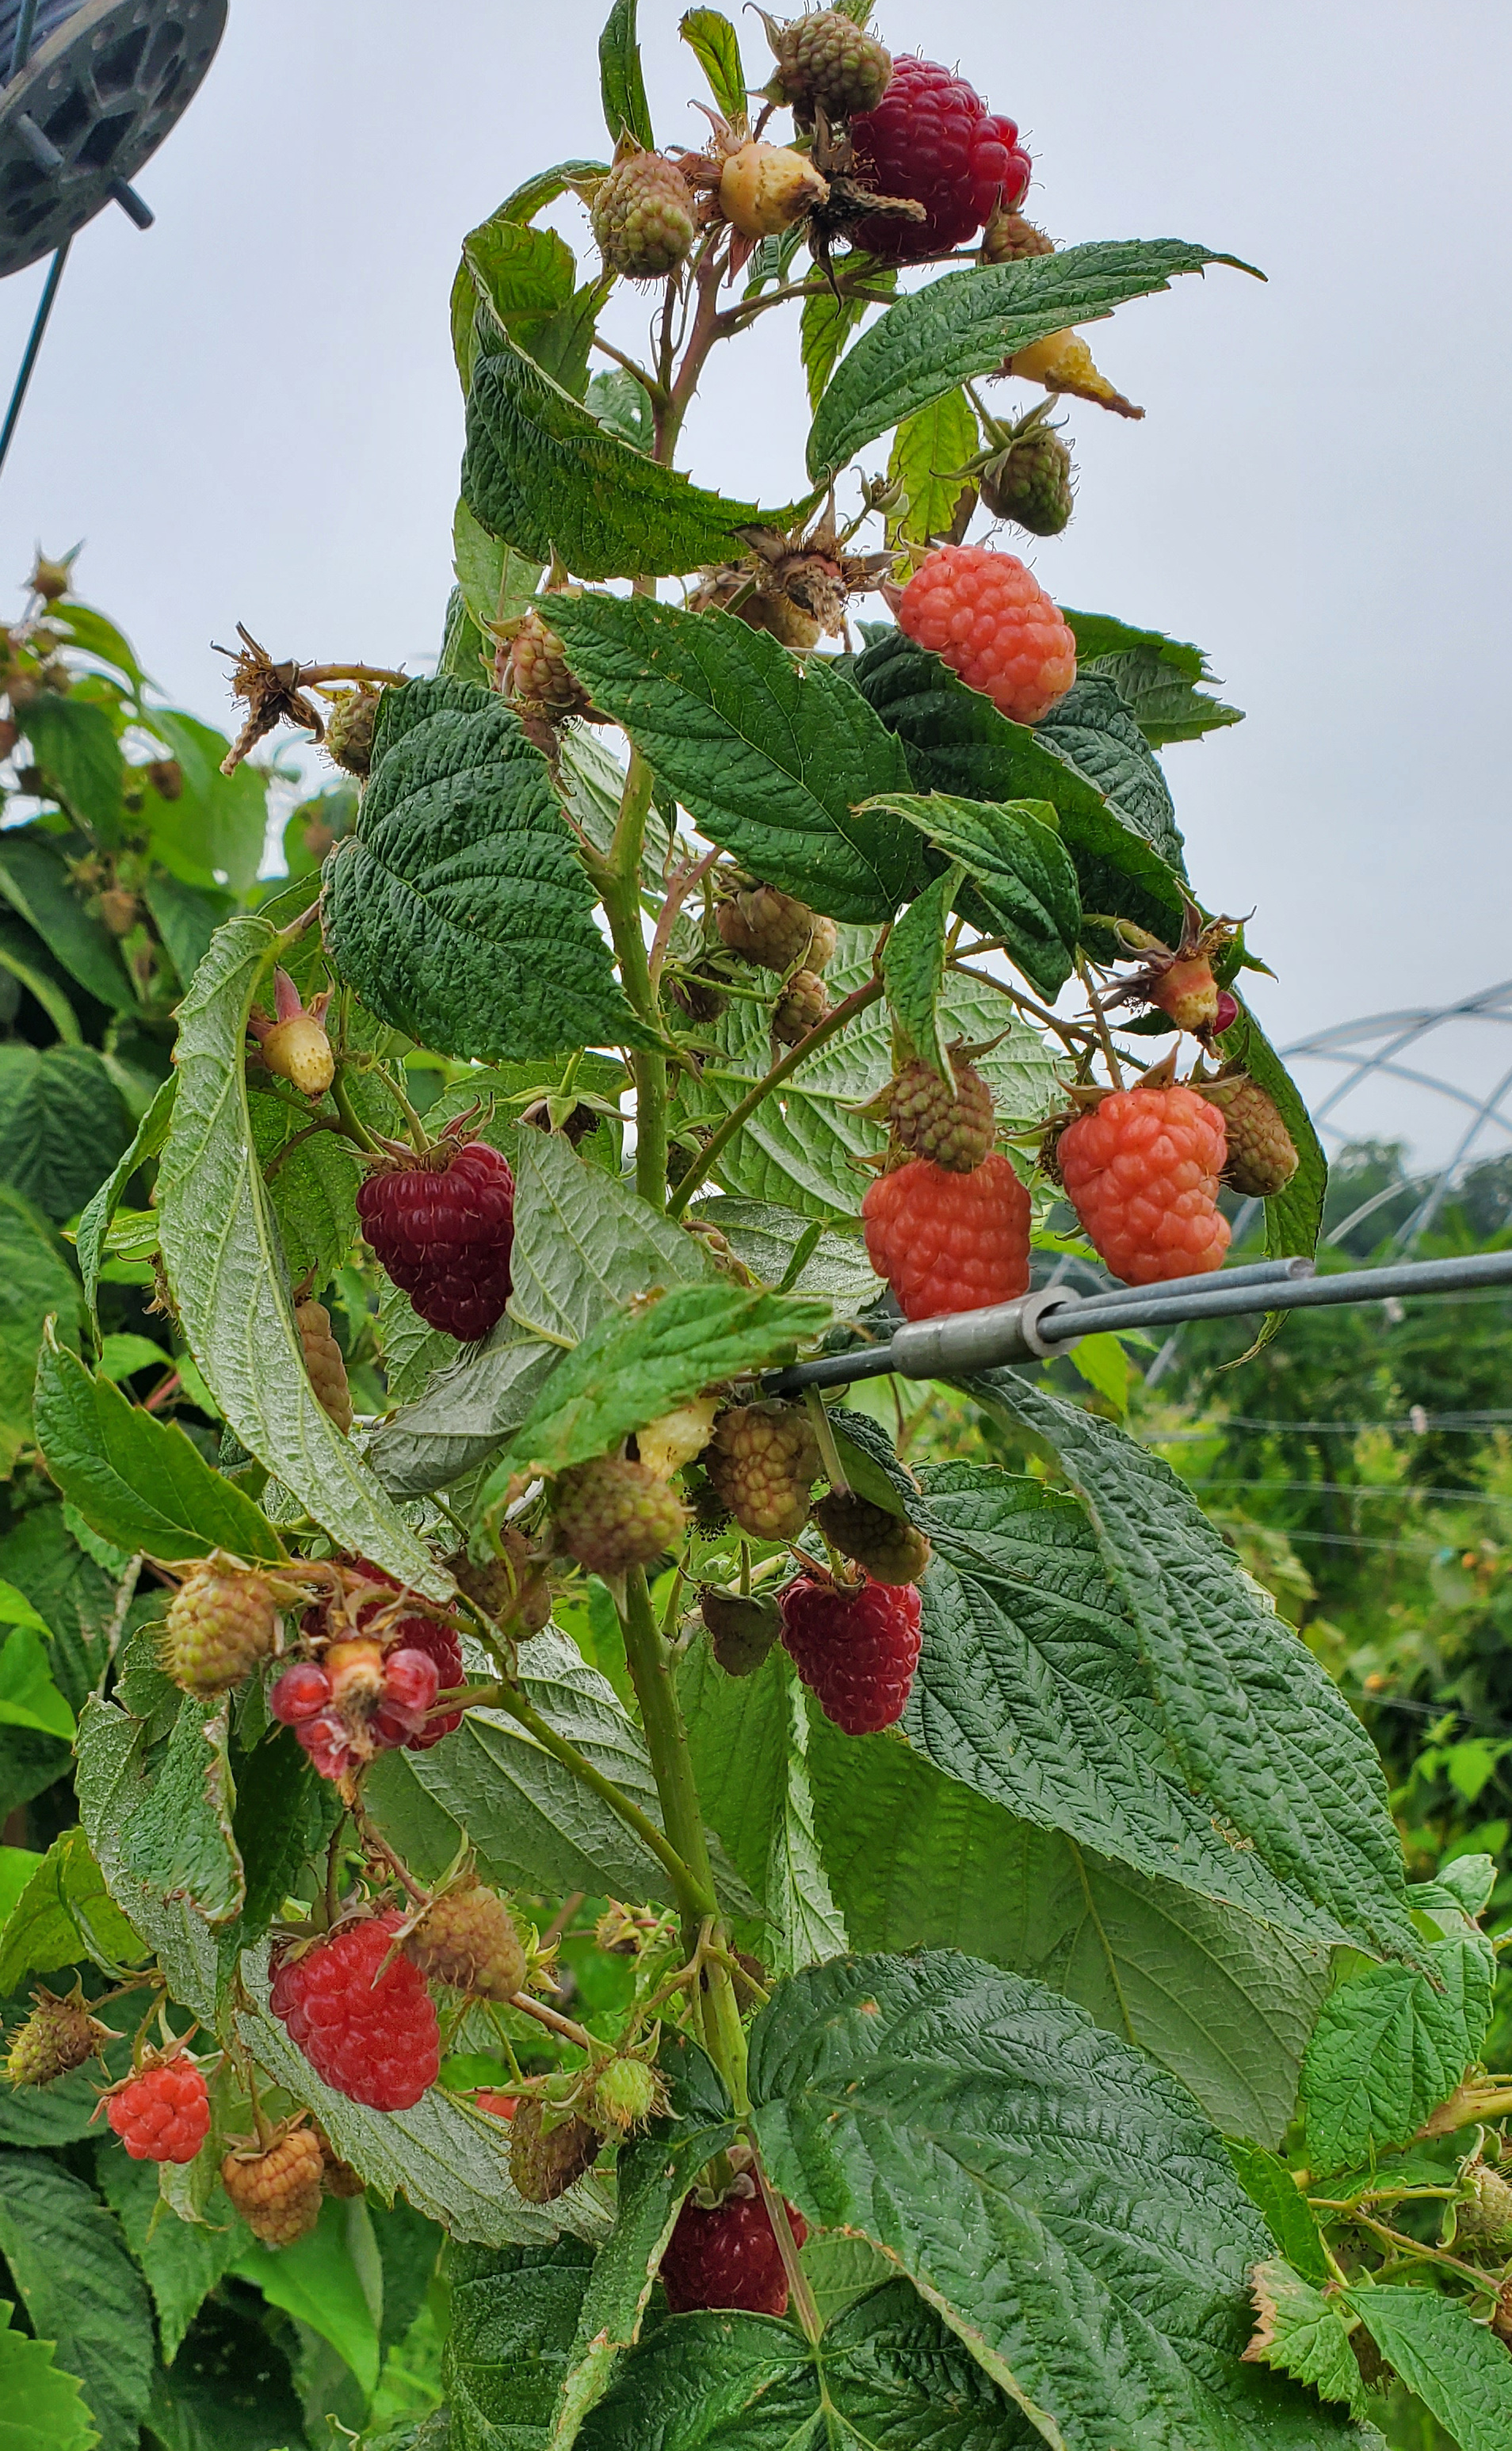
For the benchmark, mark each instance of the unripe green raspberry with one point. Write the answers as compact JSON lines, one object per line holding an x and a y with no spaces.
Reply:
{"x":826,"y":58}
{"x":953,"y":1126}
{"x":545,"y":2162}
{"x":1262,"y":1154}
{"x":538,"y":682}
{"x":57,"y":2036}
{"x":1009,"y":238}
{"x":889,"y":1549}
{"x":775,"y":930}
{"x":626,"y":2094}
{"x":468,"y":1941}
{"x":221,"y":1625}
{"x":612,"y":1516}
{"x":642,"y":217}
{"x":1031,"y":483}
{"x":743,"y":1629}
{"x":763,"y":1460}
{"x":349,"y":731}
{"x":1487,"y":2216}
{"x":802,"y":1004}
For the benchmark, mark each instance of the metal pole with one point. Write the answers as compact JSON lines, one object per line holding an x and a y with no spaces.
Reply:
{"x":1212,"y":1299}
{"x":39,"y":326}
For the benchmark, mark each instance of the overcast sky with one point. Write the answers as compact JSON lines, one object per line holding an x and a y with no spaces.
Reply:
{"x":250,"y":412}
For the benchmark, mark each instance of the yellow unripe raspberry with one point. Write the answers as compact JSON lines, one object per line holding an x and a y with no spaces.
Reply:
{"x":1062,"y":361}
{"x":764,"y":188}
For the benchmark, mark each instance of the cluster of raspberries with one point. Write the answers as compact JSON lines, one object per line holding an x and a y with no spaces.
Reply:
{"x":377,"y":1667}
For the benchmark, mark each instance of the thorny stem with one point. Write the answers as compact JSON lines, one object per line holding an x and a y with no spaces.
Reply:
{"x":558,"y":2023}
{"x":356,"y":1128}
{"x":1100,"y":1022}
{"x":672,"y":1763}
{"x":720,"y":1140}
{"x":1414,"y":2248}
{"x":619,"y":885}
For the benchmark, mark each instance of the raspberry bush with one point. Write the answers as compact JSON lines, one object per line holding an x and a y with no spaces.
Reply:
{"x":805,"y":1927}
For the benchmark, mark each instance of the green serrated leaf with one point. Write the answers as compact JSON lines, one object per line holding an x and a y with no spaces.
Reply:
{"x":542,"y":475}
{"x":80,"y":2290}
{"x":1092,"y":730}
{"x":457,"y":909}
{"x":930,"y":450}
{"x":716,"y":46}
{"x":584,"y":1246}
{"x":464,"y":1413}
{"x":1289,"y":2218}
{"x":957,"y":742}
{"x":94,"y":1225}
{"x":74,"y":744}
{"x":1305,"y":2334}
{"x":141,"y":1481}
{"x":180,"y":1842}
{"x":61,"y":1122}
{"x":1157,"y":677}
{"x":34,"y":880}
{"x":514,"y":2323}
{"x":913,"y":966}
{"x":1294,"y":1216}
{"x":766,"y":1239}
{"x":220,"y":1245}
{"x":214,"y":832}
{"x":969,"y":322}
{"x":497,"y":582}
{"x":315,"y":2280}
{"x":1391,"y":2044}
{"x":969,"y":2122}
{"x":1260,"y":1730}
{"x":828,"y":320}
{"x":769,"y":759}
{"x":517,"y":269}
{"x":632,"y":1370}
{"x":35,"y":1280}
{"x":1460,"y":2373}
{"x":559,"y":344}
{"x":64,"y":1916}
{"x":29,"y":1697}
{"x":44,"y":2407}
{"x":625,"y":109}
{"x":1023,"y":885}
{"x":181,"y":2261}
{"x":311,"y":1186}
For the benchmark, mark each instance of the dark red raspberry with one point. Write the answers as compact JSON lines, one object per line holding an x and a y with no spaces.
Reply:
{"x":727,"y":2255}
{"x":162,"y":2114}
{"x":445,"y":1231}
{"x":933,"y":138}
{"x":300,"y":1693}
{"x":949,"y":1242}
{"x":1142,"y":1172}
{"x":856,"y":1650}
{"x":377,"y":2042}
{"x":989,"y":619}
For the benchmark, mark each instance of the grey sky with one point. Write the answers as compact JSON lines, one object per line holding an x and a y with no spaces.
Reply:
{"x":250,"y":412}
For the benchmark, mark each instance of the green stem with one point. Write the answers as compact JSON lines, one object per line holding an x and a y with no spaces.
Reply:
{"x":650,"y":1665}
{"x":690,"y":1884}
{"x":619,"y":882}
{"x":348,"y":1114}
{"x":720,"y":1141}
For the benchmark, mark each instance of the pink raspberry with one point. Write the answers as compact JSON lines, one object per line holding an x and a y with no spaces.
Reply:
{"x":162,"y":2114}
{"x":949,"y":1242}
{"x":727,"y":2255}
{"x":441,"y":1646}
{"x":445,"y":1229}
{"x":991,"y":621}
{"x":933,"y":138}
{"x":1142,"y":1172}
{"x":376,"y":2041}
{"x":856,"y":1650}
{"x":300,"y":1693}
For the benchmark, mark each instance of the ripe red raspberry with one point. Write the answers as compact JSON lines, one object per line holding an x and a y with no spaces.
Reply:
{"x":991,"y":620}
{"x":277,"y":2191}
{"x":952,"y":1125}
{"x":887,"y":1545}
{"x":324,"y":1365}
{"x":856,"y":1650}
{"x":544,"y":2163}
{"x":949,"y":1242}
{"x":162,"y":2114}
{"x":439,"y":1644}
{"x":931,"y":137}
{"x":775,"y":930}
{"x":445,"y":1231}
{"x":58,"y":2036}
{"x":611,"y":1516}
{"x":300,"y":1693}
{"x":762,"y":1460}
{"x":220,"y":1624}
{"x":1142,"y":1172}
{"x":468,"y":1941}
{"x":1262,"y":1154}
{"x":727,"y":2255}
{"x":377,"y":2042}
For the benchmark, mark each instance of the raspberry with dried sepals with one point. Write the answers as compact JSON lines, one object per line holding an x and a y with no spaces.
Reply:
{"x":539,"y":683}
{"x":827,"y":59}
{"x":952,"y":1123}
{"x":468,"y":1940}
{"x":742,"y":1628}
{"x":802,"y":1004}
{"x":887,"y":1545}
{"x":512,"y":1589}
{"x":642,"y":217}
{"x":277,"y":2191}
{"x":1178,"y":981}
{"x":727,"y":2255}
{"x":163,"y":2113}
{"x":933,"y":138}
{"x":775,"y":930}
{"x":59,"y":2034}
{"x":763,"y":1460}
{"x":222,"y":1623}
{"x":545,"y":2162}
{"x":373,"y":2037}
{"x":1009,"y":238}
{"x":324,"y":1365}
{"x":1030,"y":483}
{"x":1141,"y":1170}
{"x":610,"y":1515}
{"x":949,"y":1242}
{"x":443,"y":1229}
{"x":990,"y":619}
{"x":856,"y":1650}
{"x":625,"y":2093}
{"x":1262,"y":1154}
{"x":349,"y":731}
